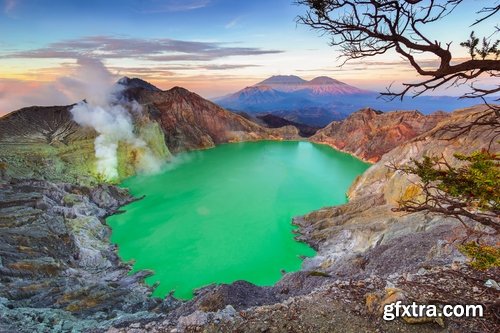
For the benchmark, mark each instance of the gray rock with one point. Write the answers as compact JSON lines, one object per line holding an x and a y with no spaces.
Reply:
{"x":197,"y":318}
{"x":59,"y":270}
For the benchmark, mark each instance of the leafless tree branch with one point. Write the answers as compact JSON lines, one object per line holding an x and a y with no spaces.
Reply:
{"x":366,"y":28}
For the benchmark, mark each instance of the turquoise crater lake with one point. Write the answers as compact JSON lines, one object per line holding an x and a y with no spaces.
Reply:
{"x":224,"y":214}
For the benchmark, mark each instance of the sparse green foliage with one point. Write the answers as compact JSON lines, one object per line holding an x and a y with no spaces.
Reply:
{"x":471,"y":44}
{"x":101,"y":178}
{"x":488,"y":47}
{"x":483,"y":257}
{"x":471,"y":190}
{"x":478,"y":182}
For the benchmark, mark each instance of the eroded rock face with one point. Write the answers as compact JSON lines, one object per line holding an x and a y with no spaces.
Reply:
{"x":191,"y":122}
{"x":38,"y":124}
{"x":442,"y":140}
{"x":369,"y":134}
{"x":57,"y":266}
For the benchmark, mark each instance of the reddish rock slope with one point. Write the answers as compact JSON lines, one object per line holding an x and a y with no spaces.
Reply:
{"x":191,"y":122}
{"x":369,"y":134}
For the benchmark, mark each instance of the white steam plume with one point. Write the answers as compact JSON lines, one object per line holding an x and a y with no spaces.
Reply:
{"x":109,"y":117}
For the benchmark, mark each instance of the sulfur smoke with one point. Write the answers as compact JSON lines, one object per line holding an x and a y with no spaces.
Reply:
{"x":110,"y":116}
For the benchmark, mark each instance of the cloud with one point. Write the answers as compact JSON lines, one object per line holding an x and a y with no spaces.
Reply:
{"x":212,"y":54}
{"x":404,"y":62}
{"x":105,"y":112}
{"x":233,"y":23}
{"x":16,"y":94}
{"x":146,"y":72}
{"x":9,"y":6}
{"x":165,"y":6}
{"x":143,"y":72}
{"x":162,"y":49}
{"x":216,"y":67}
{"x":64,"y":90}
{"x":90,"y":79}
{"x":45,"y":53}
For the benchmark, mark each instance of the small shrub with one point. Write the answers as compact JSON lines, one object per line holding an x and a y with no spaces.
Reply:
{"x":483,"y":257}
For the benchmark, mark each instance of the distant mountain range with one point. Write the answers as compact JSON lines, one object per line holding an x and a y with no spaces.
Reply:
{"x":320,"y":86}
{"x":321,"y":100}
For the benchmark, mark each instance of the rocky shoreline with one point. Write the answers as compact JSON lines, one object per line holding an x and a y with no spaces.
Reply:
{"x":59,"y":271}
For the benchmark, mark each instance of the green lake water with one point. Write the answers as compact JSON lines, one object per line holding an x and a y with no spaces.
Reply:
{"x":224,"y":214}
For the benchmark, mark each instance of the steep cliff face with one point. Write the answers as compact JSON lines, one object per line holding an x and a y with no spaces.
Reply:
{"x":369,"y":134}
{"x":191,"y":122}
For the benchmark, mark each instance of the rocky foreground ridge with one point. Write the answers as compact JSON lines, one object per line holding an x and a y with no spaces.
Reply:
{"x":60,"y":274}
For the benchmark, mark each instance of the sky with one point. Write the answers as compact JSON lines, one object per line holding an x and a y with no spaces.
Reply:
{"x":212,"y":47}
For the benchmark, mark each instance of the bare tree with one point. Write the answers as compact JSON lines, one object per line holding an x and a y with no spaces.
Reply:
{"x":366,"y":28}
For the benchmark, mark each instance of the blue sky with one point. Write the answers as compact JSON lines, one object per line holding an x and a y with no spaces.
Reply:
{"x":214,"y":46}
{"x":265,"y":24}
{"x":37,"y":22}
